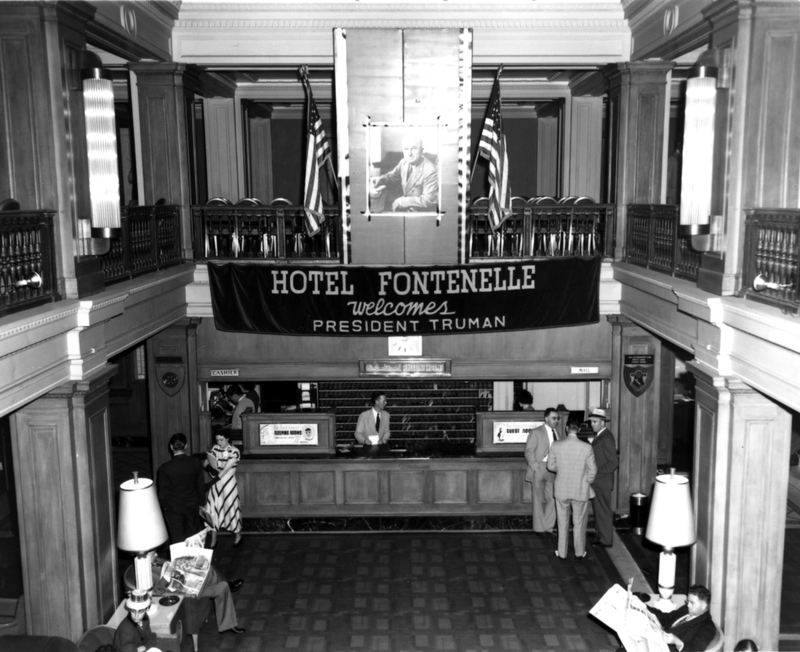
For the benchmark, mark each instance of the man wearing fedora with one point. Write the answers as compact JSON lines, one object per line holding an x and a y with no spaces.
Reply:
{"x":605,"y":455}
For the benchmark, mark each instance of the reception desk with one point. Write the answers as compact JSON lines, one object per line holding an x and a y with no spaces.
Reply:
{"x":383,"y":483}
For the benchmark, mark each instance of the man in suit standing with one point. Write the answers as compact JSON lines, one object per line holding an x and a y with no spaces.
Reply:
{"x":607,"y":460}
{"x":690,"y":627}
{"x":373,"y":424}
{"x":536,"y":450}
{"x":573,"y":463}
{"x":181,"y":491}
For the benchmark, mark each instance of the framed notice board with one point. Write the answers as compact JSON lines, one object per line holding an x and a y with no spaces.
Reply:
{"x":285,"y":433}
{"x":505,"y":433}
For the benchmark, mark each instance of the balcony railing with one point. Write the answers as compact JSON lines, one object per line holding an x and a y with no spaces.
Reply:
{"x":27,"y":260}
{"x":652,"y":241}
{"x":543,"y":227}
{"x":771,"y":252}
{"x":151,"y":240}
{"x":251,"y":230}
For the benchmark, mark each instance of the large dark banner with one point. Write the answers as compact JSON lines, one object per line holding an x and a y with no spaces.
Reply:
{"x":380,"y":301}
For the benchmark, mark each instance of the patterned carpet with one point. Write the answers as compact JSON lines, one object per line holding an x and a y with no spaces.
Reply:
{"x":411,"y":592}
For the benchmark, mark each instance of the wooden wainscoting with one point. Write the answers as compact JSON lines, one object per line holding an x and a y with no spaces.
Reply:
{"x":384,"y":487}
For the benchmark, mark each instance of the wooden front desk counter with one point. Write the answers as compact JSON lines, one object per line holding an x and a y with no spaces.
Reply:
{"x":365,"y":485}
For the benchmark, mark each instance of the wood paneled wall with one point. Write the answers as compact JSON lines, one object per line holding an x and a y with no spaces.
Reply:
{"x":62,"y":463}
{"x":540,"y":354}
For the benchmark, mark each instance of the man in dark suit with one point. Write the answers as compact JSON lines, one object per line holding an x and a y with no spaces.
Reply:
{"x":181,"y":491}
{"x":605,"y":455}
{"x":373,"y":424}
{"x":690,"y":627}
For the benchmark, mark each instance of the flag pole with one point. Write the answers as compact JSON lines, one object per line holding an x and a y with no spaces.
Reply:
{"x":477,"y":153}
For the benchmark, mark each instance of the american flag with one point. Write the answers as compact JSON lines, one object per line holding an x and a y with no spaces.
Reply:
{"x":318,"y":151}
{"x":493,"y":148}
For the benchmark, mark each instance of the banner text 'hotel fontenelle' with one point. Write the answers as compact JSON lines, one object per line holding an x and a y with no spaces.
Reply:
{"x":380,"y":301}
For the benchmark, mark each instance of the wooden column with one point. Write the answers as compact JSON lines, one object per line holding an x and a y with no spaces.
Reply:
{"x":739,"y":487}
{"x":166,"y":92}
{"x":173,"y":389}
{"x":635,"y":419}
{"x":62,"y":462}
{"x":638,"y":94}
{"x":585,"y":148}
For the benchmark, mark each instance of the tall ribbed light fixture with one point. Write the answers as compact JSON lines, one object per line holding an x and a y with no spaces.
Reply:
{"x":698,"y":151}
{"x":671,"y":525}
{"x":101,"y":146}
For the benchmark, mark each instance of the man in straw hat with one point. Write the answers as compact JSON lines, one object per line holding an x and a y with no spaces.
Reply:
{"x":605,"y":455}
{"x":133,"y":633}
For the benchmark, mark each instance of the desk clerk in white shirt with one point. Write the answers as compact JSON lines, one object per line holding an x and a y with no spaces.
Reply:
{"x":373,"y":424}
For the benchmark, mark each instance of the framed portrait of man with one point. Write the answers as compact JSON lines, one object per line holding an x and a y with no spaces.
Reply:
{"x":404,"y":171}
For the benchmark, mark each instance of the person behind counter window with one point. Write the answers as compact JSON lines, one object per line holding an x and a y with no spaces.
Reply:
{"x":373,"y":424}
{"x":222,"y":502}
{"x":689,"y":628}
{"x":243,"y":405}
{"x":524,"y":400}
{"x":133,"y":634}
{"x":417,"y":177}
{"x":181,"y":491}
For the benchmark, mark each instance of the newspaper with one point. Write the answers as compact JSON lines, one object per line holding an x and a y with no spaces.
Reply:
{"x":637,"y":628}
{"x":188,"y":568}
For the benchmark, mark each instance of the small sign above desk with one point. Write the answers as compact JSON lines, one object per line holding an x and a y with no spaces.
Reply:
{"x":405,"y":367}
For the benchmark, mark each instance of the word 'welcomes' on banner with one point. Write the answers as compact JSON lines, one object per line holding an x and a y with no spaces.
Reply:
{"x":380,"y":301}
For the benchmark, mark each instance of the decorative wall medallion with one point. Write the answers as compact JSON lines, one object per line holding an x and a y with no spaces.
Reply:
{"x":170,"y":378}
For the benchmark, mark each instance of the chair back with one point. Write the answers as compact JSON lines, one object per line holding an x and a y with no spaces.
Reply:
{"x":716,"y":643}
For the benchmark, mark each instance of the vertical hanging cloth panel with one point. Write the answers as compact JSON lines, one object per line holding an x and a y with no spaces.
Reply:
{"x":409,"y":77}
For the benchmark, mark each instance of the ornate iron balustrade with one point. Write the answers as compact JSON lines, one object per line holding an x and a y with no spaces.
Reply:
{"x":27,"y":260}
{"x":151,"y":240}
{"x":263,"y":232}
{"x":538,"y":229}
{"x":652,"y":241}
{"x":771,"y":252}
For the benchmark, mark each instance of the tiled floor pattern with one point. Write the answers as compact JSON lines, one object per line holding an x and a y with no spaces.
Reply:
{"x":412,"y":592}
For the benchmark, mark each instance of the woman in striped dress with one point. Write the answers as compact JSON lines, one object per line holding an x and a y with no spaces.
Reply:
{"x":222,"y":501}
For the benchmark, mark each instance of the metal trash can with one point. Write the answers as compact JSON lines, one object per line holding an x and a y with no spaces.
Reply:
{"x":640,"y":508}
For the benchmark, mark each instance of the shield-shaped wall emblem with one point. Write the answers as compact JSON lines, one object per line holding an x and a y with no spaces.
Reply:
{"x":638,"y":372}
{"x":170,"y":377}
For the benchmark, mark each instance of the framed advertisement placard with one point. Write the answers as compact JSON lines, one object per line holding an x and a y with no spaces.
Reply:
{"x":505,"y":433}
{"x":286,"y":433}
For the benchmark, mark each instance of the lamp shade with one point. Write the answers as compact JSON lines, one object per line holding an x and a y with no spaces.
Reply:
{"x":671,"y":522}
{"x":141,"y":526}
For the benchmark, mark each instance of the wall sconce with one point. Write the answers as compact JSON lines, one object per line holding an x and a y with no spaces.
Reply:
{"x":698,"y":151}
{"x":671,"y":525}
{"x":706,"y":76}
{"x":140,"y":526}
{"x":101,"y":149}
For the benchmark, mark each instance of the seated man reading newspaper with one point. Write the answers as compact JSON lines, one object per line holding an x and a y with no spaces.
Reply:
{"x":689,"y":628}
{"x":645,"y":629}
{"x":190,"y":573}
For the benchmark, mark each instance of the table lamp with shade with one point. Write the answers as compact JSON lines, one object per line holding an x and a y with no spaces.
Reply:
{"x":671,"y":525}
{"x":140,"y":527}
